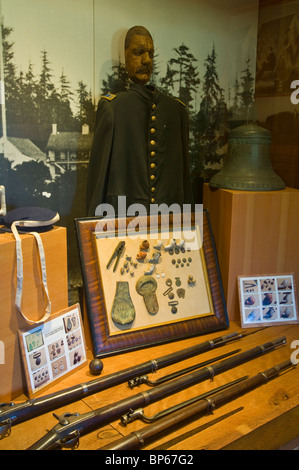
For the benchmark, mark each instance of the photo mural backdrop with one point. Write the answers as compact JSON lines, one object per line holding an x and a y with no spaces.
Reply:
{"x":277,"y":84}
{"x":59,"y":57}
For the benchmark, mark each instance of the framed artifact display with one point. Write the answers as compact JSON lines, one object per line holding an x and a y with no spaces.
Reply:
{"x":149,"y":280}
{"x":53,"y":349}
{"x":267,"y":300}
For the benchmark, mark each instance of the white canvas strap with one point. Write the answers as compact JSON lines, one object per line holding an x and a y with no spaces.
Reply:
{"x":2,"y":201}
{"x":19,"y":253}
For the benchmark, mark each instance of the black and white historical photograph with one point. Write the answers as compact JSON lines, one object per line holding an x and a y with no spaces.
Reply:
{"x":58,"y":58}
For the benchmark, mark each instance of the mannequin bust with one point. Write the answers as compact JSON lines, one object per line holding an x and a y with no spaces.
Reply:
{"x":140,"y":149}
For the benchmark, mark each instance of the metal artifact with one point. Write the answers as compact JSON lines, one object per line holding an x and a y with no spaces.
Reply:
{"x":123,"y":310}
{"x":116,"y":255}
{"x":248,"y":164}
{"x":146,"y":286}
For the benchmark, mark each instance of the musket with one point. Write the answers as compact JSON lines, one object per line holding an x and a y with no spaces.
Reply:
{"x":15,"y":413}
{"x":153,"y":383}
{"x":73,"y":425}
{"x":132,"y":415}
{"x":139,"y":439}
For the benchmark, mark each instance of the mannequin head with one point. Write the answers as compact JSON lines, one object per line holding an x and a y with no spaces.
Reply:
{"x":139,"y":54}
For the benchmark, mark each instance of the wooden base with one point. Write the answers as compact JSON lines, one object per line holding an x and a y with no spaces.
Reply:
{"x":255,"y":233}
{"x":33,"y":301}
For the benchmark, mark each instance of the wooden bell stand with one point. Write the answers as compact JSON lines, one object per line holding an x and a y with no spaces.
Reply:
{"x":255,"y":233}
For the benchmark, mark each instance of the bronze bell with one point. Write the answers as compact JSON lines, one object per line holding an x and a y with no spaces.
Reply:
{"x":248,"y":164}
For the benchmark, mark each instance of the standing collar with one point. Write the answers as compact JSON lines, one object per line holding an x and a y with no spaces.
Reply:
{"x":149,"y":92}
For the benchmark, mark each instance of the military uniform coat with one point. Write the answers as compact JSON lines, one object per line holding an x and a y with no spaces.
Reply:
{"x":140,"y":150}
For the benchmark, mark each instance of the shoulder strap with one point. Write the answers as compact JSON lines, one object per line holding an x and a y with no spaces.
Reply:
{"x":180,"y":102}
{"x":2,"y":201}
{"x":108,"y":96}
{"x":19,"y":290}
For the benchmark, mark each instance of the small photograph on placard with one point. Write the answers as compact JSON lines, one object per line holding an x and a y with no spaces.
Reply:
{"x":251,"y":300}
{"x":40,"y":377}
{"x":37,"y":359}
{"x":34,"y":340}
{"x":287,"y":312}
{"x":268,"y":284}
{"x":269,"y":298}
{"x":285,"y":298}
{"x":59,"y":366}
{"x":252,"y":315}
{"x":76,"y":356}
{"x":285,"y":283}
{"x":250,"y":286}
{"x":56,"y":349}
{"x":73,"y":340}
{"x":270,"y":313}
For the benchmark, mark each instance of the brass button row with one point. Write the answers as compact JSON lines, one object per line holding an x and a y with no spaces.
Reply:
{"x":153,"y":154}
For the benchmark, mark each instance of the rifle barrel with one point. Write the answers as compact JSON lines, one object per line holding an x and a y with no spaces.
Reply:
{"x":140,"y":439}
{"x":71,"y":424}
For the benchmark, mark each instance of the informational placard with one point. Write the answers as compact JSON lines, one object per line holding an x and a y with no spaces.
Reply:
{"x":267,"y":300}
{"x":53,"y":349}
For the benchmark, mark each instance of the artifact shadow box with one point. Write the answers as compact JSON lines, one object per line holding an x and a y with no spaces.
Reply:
{"x":149,"y":280}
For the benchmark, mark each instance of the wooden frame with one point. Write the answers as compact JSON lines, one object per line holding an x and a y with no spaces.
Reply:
{"x":267,"y":300}
{"x":105,"y":340}
{"x":52,"y":350}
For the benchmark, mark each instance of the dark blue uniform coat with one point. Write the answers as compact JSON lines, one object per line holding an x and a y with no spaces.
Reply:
{"x":140,"y":150}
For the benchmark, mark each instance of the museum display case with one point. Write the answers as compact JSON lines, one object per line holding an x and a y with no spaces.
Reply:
{"x":170,"y":331}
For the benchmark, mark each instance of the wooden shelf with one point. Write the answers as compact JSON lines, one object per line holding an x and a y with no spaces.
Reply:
{"x":238,"y":424}
{"x":255,"y":233}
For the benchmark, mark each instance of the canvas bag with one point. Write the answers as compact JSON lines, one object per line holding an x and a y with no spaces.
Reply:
{"x":32,"y":220}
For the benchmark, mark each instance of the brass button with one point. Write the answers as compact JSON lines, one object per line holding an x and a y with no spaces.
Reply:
{"x":154,"y":106}
{"x":153,"y":189}
{"x":153,"y":130}
{"x":153,"y":165}
{"x":153,"y":154}
{"x":153,"y":142}
{"x":152,"y":177}
{"x":154,"y":118}
{"x":152,"y":200}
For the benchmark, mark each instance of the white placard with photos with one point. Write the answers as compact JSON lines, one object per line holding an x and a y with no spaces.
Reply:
{"x":267,"y":300}
{"x":53,"y":349}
